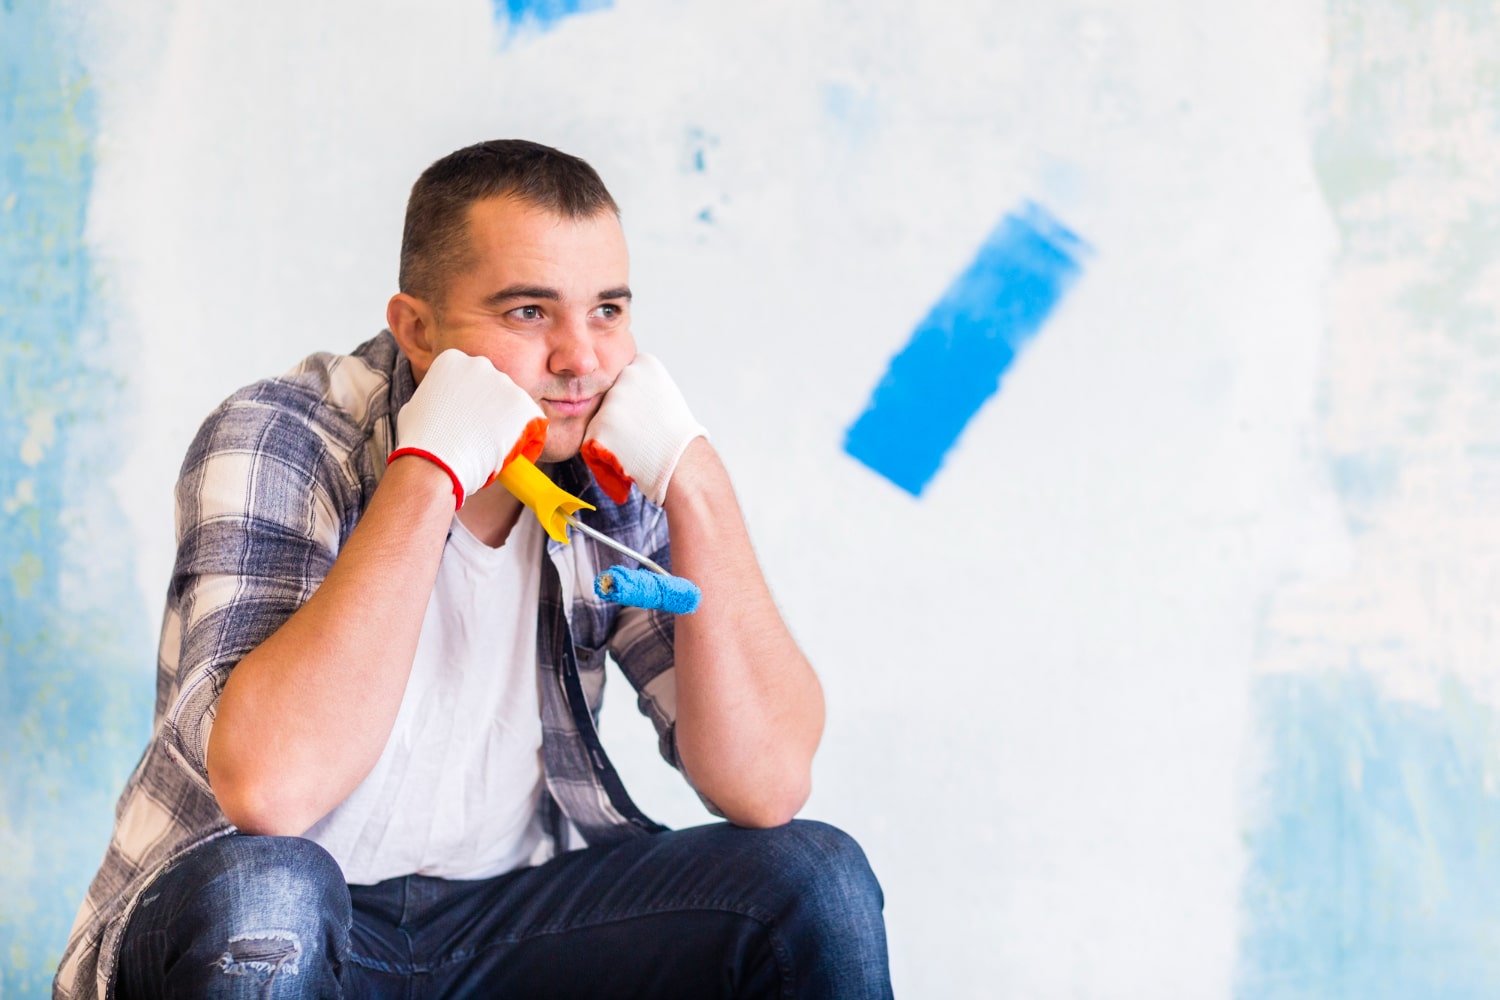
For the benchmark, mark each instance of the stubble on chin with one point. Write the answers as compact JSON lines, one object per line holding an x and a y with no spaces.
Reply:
{"x":563,"y":442}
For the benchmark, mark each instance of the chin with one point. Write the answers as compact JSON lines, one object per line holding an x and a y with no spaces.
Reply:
{"x":564,"y":439}
{"x":559,"y":453}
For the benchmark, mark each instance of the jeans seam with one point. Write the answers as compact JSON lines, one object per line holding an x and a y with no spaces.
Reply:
{"x":727,"y":904}
{"x":376,"y":965}
{"x":778,"y":946}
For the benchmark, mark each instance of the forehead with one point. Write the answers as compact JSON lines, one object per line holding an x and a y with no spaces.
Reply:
{"x":512,"y":235}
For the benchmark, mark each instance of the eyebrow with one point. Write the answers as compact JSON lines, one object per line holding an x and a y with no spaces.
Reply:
{"x":541,"y":292}
{"x":522,"y":292}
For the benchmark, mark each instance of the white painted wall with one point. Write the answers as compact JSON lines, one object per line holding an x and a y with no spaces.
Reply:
{"x":1038,"y":673}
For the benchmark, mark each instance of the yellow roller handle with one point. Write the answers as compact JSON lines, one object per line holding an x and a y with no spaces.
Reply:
{"x":549,"y":502}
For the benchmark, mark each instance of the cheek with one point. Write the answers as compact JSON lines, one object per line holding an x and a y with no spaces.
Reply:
{"x":527,"y":371}
{"x":619,"y":354}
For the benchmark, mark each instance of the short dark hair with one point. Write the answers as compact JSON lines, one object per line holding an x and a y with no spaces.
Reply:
{"x":435,"y":239}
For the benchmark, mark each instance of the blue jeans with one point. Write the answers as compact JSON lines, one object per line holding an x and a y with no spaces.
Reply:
{"x":714,"y":911}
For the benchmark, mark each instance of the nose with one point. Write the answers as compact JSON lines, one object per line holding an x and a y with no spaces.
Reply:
{"x":572,"y":349}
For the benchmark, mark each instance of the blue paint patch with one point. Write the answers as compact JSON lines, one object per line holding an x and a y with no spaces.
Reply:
{"x":1366,"y":481}
{"x":696,"y":146}
{"x":76,"y":657}
{"x":542,"y":15}
{"x":850,"y":114}
{"x":954,"y":361}
{"x":1374,"y":872}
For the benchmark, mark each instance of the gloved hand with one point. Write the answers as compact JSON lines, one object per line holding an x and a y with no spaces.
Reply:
{"x":640,"y":431}
{"x":470,"y":419}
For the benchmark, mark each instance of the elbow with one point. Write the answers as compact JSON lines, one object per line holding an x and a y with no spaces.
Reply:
{"x":764,"y":819}
{"x":763,"y":788}
{"x":770,"y":807}
{"x":262,"y":805}
{"x":252,"y":810}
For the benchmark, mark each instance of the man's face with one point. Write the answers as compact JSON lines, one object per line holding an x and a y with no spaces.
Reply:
{"x":547,"y":301}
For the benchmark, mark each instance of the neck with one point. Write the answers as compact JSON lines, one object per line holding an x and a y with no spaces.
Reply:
{"x":490,"y":514}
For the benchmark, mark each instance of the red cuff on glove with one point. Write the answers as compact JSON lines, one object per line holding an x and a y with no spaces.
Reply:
{"x":458,"y":487}
{"x":607,"y":472}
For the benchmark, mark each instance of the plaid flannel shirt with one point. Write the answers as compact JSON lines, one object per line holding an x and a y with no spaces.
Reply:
{"x":270,"y":490}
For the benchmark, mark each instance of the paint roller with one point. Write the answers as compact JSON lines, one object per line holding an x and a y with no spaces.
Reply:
{"x":652,"y":587}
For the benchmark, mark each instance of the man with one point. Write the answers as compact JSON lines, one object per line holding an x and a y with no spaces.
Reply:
{"x":375,"y":770}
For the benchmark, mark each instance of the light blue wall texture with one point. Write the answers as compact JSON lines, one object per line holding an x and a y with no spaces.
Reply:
{"x":74,"y":688}
{"x":1112,"y":388}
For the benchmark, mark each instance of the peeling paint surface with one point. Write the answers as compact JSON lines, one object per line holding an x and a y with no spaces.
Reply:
{"x":75,"y":663}
{"x":1372,"y":870}
{"x":1375,"y":871}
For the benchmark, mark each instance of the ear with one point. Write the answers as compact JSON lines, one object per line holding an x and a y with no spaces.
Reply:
{"x":414,"y":326}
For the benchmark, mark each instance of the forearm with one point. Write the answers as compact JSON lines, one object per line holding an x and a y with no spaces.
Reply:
{"x":749,"y":707}
{"x":305,"y":716}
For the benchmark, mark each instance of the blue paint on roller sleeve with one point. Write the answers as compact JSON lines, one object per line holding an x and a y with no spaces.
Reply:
{"x":641,"y":588}
{"x":956,"y":357}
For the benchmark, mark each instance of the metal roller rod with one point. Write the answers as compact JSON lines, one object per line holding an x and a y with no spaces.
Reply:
{"x":604,"y":539}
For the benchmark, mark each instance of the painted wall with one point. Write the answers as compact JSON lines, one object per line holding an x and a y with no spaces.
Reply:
{"x":1165,"y":670}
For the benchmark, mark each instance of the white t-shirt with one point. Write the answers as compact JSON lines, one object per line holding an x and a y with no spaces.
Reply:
{"x":456,"y":790}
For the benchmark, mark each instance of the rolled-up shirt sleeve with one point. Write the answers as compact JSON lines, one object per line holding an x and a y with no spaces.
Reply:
{"x":258,"y":527}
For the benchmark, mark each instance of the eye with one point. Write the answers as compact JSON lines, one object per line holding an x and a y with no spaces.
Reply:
{"x":609,"y":311}
{"x":528,"y":313}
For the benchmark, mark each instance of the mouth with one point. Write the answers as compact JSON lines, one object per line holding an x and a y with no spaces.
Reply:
{"x":569,"y":407}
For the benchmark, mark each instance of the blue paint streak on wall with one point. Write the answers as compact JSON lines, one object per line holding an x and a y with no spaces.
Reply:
{"x":75,"y":649}
{"x":543,"y":15}
{"x":956,"y":357}
{"x":1376,"y":870}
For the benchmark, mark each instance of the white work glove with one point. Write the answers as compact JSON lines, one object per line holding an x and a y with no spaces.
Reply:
{"x":470,"y":419}
{"x":642,"y":428}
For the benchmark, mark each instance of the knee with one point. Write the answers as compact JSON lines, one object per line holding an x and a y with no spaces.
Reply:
{"x":271,"y":910}
{"x":826,"y":870}
{"x":245,"y":884}
{"x":832,"y":922}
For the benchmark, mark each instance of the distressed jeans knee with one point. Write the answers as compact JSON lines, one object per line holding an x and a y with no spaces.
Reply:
{"x":242,"y":916}
{"x":264,"y":953}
